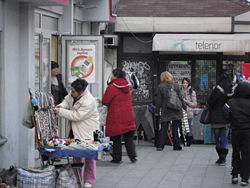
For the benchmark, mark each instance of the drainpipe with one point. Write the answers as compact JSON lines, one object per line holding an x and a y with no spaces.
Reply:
{"x":232,"y":24}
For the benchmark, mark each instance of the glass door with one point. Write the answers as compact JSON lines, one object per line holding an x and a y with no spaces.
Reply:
{"x":46,"y":72}
{"x":42,"y":62}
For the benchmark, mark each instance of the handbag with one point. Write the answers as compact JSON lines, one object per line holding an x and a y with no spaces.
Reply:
{"x":174,"y":101}
{"x":28,"y":114}
{"x":205,"y":116}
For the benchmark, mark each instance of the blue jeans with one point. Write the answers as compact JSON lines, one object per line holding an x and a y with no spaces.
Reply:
{"x":221,"y":137}
{"x":190,"y":123}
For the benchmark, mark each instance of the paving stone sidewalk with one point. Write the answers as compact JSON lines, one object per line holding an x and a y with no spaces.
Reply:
{"x":193,"y":167}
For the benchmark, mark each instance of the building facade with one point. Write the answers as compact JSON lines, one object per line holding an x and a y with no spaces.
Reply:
{"x":33,"y":33}
{"x":191,"y":39}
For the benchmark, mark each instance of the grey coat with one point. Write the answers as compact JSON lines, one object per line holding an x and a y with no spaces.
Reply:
{"x":168,"y":114}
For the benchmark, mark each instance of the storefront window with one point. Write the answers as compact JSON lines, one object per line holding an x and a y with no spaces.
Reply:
{"x":37,"y":20}
{"x":49,"y":23}
{"x":205,"y":79}
{"x":179,"y":70}
{"x":77,"y":28}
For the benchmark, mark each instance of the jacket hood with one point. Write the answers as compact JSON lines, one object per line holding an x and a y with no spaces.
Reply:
{"x":225,"y":82}
{"x":121,"y":84}
{"x":242,"y":90}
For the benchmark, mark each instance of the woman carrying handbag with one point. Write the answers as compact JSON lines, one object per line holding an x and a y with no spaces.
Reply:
{"x":168,"y":113}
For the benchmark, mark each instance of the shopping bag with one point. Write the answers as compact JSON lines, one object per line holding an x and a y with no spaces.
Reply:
{"x":28,"y":114}
{"x":30,"y":178}
{"x":66,"y":178}
{"x":205,"y":116}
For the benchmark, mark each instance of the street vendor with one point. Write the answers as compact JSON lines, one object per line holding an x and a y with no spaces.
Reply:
{"x":80,"y":108}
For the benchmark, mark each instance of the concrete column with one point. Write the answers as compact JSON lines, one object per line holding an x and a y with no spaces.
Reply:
{"x":68,"y":19}
{"x":26,"y":80}
{"x":18,"y":75}
{"x":10,"y":99}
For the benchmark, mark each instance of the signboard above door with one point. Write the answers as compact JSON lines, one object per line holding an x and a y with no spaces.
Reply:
{"x":202,"y":42}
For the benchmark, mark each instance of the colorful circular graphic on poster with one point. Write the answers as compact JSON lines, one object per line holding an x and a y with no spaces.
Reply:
{"x":82,"y":66}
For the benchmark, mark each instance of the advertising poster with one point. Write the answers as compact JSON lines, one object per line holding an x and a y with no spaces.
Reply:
{"x":245,"y":69}
{"x":81,"y":62}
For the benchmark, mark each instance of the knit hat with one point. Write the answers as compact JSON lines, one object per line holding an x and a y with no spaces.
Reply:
{"x":79,"y":85}
{"x":54,"y":65}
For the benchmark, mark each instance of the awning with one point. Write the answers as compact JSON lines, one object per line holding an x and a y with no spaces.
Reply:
{"x":46,"y":2}
{"x":202,"y":42}
{"x":62,"y":2}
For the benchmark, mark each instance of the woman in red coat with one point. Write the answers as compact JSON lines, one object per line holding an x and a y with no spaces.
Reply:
{"x":120,"y":118}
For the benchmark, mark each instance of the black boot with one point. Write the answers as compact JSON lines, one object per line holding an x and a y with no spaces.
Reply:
{"x":223,"y":156}
{"x":189,"y":140}
{"x":219,"y":154}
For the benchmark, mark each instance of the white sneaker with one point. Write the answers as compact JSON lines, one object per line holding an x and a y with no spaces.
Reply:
{"x":87,"y":185}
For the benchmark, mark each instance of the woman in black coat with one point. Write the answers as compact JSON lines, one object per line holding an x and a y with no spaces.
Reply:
{"x":168,"y":114}
{"x":219,"y":123}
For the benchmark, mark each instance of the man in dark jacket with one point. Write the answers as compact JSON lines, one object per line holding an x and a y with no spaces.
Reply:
{"x":219,"y":123}
{"x":238,"y":112}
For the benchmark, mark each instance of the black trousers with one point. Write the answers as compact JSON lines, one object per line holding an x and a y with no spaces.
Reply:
{"x":241,"y":153}
{"x":163,"y":133}
{"x":117,"y":146}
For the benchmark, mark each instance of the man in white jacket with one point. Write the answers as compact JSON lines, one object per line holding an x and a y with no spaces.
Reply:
{"x":80,"y":108}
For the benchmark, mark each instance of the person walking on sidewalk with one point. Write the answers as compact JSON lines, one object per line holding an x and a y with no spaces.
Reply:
{"x":219,"y":123}
{"x":168,"y":114}
{"x":80,"y":108}
{"x":237,"y":110}
{"x":120,"y":118}
{"x":191,"y":102}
